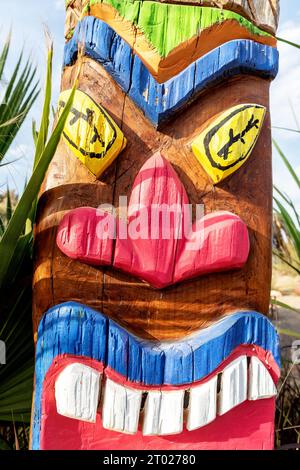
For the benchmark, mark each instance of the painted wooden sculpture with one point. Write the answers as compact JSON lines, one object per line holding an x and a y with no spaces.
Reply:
{"x":150,"y":316}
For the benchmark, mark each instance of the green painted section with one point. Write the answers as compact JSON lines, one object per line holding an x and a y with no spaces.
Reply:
{"x":166,"y":26}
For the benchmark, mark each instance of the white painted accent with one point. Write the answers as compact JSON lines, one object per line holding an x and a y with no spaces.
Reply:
{"x":77,"y":392}
{"x":163,"y":413}
{"x":202,"y":407}
{"x":261,"y":384}
{"x":121,"y":408}
{"x":233,"y":385}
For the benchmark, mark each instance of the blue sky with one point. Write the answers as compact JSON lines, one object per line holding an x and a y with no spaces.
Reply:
{"x":27,"y":18}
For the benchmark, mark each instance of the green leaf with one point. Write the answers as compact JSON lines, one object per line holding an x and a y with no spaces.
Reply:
{"x":286,"y":129}
{"x":44,"y":126}
{"x":294,"y":114}
{"x":4,"y":445}
{"x":35,"y":134}
{"x":23,"y":250}
{"x":283,"y":305}
{"x":20,"y":94}
{"x":290,"y":43}
{"x":2,"y":227}
{"x":17,"y":223}
{"x":16,"y":377}
{"x":290,"y":203}
{"x":290,"y":226}
{"x":4,"y":54}
{"x":291,"y":333}
{"x":286,"y":261}
{"x":8,"y":206}
{"x":11,"y":121}
{"x":287,"y":163}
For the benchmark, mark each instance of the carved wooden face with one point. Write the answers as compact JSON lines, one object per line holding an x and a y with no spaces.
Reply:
{"x":147,"y":306}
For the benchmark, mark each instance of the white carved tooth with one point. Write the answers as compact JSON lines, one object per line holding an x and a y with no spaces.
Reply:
{"x":171,"y":412}
{"x":202,"y":407}
{"x":261,"y":384}
{"x":77,"y":392}
{"x":114,"y":405}
{"x":133,"y":407}
{"x":151,"y":414}
{"x":121,"y":408}
{"x":233,"y":385}
{"x":163,"y":413}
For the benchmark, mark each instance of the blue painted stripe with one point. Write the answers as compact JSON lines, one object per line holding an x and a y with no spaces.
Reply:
{"x":160,"y":101}
{"x":73,"y":328}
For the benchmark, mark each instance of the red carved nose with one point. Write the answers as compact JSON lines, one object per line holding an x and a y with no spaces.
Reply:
{"x":157,"y":243}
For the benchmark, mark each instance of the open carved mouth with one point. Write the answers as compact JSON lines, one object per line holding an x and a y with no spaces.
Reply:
{"x":82,"y":391}
{"x":122,"y":384}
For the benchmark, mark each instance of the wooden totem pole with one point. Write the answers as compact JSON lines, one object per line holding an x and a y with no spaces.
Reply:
{"x":149,"y":313}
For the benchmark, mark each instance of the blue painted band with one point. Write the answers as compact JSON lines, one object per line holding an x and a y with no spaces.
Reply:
{"x":160,"y":101}
{"x":75,"y":329}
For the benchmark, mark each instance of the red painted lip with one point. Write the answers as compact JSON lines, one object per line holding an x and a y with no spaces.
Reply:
{"x":247,"y":426}
{"x":164,"y":253}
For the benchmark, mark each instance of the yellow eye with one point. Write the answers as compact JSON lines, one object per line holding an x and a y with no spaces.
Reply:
{"x":228,"y":142}
{"x":91,"y":133}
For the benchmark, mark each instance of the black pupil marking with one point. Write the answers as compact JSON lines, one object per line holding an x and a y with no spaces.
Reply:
{"x":89,"y":118}
{"x":225,"y":151}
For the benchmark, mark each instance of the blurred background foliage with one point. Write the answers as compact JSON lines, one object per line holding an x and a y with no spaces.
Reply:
{"x":17,"y":217}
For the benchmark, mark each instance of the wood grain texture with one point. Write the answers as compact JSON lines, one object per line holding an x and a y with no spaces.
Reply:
{"x":73,"y":15}
{"x":169,"y":38}
{"x":176,"y":311}
{"x":160,"y":101}
{"x":263,"y":13}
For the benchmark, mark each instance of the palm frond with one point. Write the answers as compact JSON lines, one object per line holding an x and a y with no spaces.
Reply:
{"x":41,"y":136}
{"x":20,"y":93}
{"x":17,"y":223}
{"x":290,"y":43}
{"x":287,"y":164}
{"x":287,"y":221}
{"x":8,"y":206}
{"x":16,"y":377}
{"x":4,"y":54}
